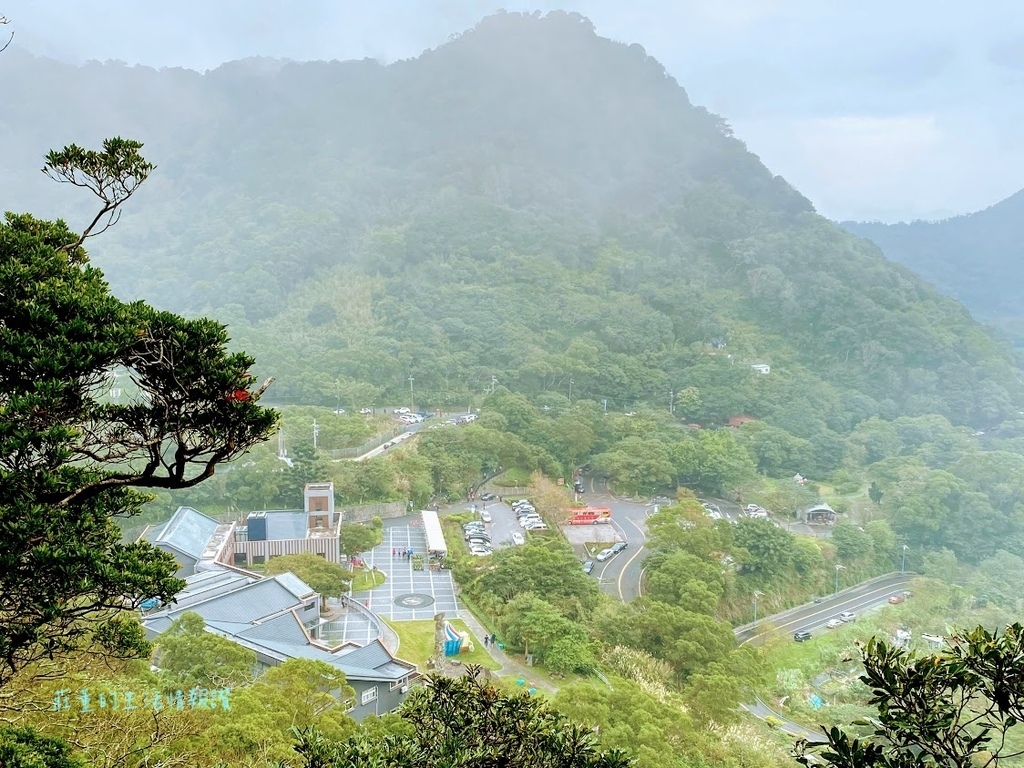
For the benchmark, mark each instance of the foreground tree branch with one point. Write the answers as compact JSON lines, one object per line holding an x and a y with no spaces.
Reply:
{"x":70,"y":460}
{"x":951,"y":710}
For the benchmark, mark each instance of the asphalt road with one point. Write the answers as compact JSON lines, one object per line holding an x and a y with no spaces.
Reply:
{"x":503,"y":522}
{"x":621,"y":575}
{"x":813,"y":616}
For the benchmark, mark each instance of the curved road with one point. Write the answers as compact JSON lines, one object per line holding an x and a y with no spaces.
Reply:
{"x":811,"y":617}
{"x":621,"y":575}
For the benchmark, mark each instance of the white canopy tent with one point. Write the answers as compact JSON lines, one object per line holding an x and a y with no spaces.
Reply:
{"x":435,"y":537}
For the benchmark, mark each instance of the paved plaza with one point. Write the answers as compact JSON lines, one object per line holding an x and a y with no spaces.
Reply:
{"x":407,"y":594}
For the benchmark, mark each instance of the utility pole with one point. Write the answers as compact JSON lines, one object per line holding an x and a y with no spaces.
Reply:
{"x":838,"y":569}
{"x":412,"y":399}
{"x":756,"y":595}
{"x":903,"y":565}
{"x":605,"y":401}
{"x":671,"y":401}
{"x":494,"y":382}
{"x":338,"y":385}
{"x":571,"y":382}
{"x":316,"y":432}
{"x":281,"y":452}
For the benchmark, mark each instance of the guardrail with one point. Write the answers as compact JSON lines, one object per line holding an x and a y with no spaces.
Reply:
{"x":369,"y":445}
{"x":836,"y":596}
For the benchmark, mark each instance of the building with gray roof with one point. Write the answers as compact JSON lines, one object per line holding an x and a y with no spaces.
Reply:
{"x":278,"y":618}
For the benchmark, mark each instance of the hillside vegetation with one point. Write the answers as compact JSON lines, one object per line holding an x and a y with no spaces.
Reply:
{"x":528,"y":201}
{"x":977,"y":258}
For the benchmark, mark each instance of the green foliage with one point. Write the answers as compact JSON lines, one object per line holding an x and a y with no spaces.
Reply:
{"x":955,"y":709}
{"x":191,"y":657}
{"x":547,"y":569}
{"x":688,"y":641}
{"x":768,"y":550}
{"x":70,"y":458}
{"x":326,"y":578}
{"x":686,"y":581}
{"x":852,"y":543}
{"x":619,"y":274}
{"x":301,"y":693}
{"x":355,"y":538}
{"x":465,"y":721}
{"x":24,"y":748}
{"x":935,"y":250}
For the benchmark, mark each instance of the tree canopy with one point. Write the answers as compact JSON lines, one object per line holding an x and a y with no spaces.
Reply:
{"x":71,"y":455}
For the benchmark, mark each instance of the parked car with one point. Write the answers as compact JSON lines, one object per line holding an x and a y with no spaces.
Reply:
{"x":604,"y":554}
{"x":402,"y":410}
{"x":518,"y":538}
{"x":847,"y":616}
{"x":487,"y":497}
{"x":896,"y":599}
{"x":339,"y":411}
{"x":485,"y":515}
{"x":588,"y":566}
{"x":833,"y":623}
{"x":802,"y":636}
{"x":366,"y":411}
{"x":618,"y":547}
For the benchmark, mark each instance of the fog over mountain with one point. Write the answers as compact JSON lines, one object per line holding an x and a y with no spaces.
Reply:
{"x":874,"y":110}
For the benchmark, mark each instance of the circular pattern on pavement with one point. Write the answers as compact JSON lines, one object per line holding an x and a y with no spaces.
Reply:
{"x":413,"y":600}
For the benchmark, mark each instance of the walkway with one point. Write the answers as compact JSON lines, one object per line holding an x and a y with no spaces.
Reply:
{"x":407,"y":594}
{"x":509,"y":667}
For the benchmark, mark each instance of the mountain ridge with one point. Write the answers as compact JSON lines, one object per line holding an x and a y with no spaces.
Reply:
{"x":529,"y":201}
{"x":976,"y":257}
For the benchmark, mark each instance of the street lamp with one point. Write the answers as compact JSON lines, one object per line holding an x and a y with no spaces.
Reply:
{"x":756,"y":595}
{"x":571,"y":382}
{"x":412,"y":399}
{"x":903,"y":565}
{"x":838,"y":569}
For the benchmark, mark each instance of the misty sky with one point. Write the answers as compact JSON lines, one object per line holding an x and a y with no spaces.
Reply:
{"x":874,"y":110}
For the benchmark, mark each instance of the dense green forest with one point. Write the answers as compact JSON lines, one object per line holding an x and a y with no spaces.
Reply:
{"x":530,"y":202}
{"x":976,"y":258}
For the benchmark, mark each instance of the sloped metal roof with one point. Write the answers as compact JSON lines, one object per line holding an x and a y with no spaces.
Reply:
{"x":246,"y":604}
{"x":188,"y":531}
{"x":295,"y":585}
{"x":283,"y":629}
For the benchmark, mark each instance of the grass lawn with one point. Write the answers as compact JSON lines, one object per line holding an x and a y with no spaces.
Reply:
{"x":365,"y":579}
{"x":417,"y":643}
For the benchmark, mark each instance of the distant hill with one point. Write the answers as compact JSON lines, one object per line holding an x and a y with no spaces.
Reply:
{"x":978,"y":258}
{"x":529,"y":201}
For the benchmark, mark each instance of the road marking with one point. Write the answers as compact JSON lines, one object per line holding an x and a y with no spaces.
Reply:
{"x":622,"y":573}
{"x":870,"y":595}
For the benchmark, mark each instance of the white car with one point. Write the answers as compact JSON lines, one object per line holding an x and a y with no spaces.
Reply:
{"x":847,"y":616}
{"x":402,"y":410}
{"x":485,"y":515}
{"x":366,"y":411}
{"x":339,"y":411}
{"x":518,"y":538}
{"x":833,"y":623}
{"x":604,"y":554}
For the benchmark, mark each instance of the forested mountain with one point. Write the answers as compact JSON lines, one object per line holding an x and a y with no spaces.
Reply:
{"x":978,"y":258}
{"x":529,"y":201}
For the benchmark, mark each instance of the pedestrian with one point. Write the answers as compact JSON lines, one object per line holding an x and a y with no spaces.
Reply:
{"x":487,"y":641}
{"x":494,"y":638}
{"x":394,"y":551}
